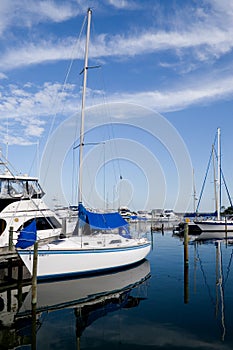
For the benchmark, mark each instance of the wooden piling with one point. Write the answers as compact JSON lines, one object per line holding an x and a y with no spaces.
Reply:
{"x":34,"y":274}
{"x":63,"y":229}
{"x":11,"y":238}
{"x":225,"y":227}
{"x":186,"y":239}
{"x":162,"y":229}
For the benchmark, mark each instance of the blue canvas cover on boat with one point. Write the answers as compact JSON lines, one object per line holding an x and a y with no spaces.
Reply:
{"x":204,"y":215}
{"x":104,"y":221}
{"x":27,"y":236}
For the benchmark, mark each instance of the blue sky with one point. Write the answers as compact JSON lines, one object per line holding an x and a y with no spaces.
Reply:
{"x":165,"y":83}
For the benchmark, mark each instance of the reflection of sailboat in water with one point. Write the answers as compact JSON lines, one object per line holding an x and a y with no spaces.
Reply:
{"x":90,"y":297}
{"x":220,"y":284}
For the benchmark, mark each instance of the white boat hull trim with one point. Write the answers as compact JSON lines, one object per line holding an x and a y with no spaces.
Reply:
{"x":60,"y":260}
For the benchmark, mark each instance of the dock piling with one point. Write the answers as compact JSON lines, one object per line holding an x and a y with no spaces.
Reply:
{"x":186,"y":239}
{"x":11,"y":238}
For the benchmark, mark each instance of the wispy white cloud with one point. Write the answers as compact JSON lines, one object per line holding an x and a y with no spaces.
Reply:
{"x":3,"y":76}
{"x":29,"y":110}
{"x":207,"y":37}
{"x":36,"y":53}
{"x":123,"y":4}
{"x":181,"y":97}
{"x":26,"y":13}
{"x":205,"y":44}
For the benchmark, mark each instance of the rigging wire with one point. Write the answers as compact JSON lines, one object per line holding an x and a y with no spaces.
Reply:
{"x":109,"y":137}
{"x":205,"y":278}
{"x":225,"y":184}
{"x":74,"y":49}
{"x":204,"y":182}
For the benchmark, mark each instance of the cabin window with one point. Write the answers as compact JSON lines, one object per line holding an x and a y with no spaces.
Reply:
{"x":115,"y":241}
{"x":2,"y":226}
{"x":43,"y":223}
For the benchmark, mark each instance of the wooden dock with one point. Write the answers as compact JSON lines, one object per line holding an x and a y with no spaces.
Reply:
{"x":12,"y":270}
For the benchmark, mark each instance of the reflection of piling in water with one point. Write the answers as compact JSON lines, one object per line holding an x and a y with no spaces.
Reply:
{"x":34,"y":274}
{"x":186,"y":284}
{"x":186,"y":265}
{"x":219,"y":283}
{"x":34,"y":326}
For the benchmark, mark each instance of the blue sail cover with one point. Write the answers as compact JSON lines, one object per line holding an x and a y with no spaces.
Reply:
{"x":105,"y":221}
{"x":27,"y":236}
{"x":204,"y":215}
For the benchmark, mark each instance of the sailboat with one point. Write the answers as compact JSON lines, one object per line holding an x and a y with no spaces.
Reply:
{"x":101,"y":241}
{"x":216,"y":228}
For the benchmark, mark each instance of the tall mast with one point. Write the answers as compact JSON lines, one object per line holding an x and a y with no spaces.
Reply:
{"x":219,"y":176}
{"x":89,"y":13}
{"x":215,"y":181}
{"x":194,"y":194}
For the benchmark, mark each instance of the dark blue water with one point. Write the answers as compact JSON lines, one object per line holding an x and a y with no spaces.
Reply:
{"x":169,"y":306}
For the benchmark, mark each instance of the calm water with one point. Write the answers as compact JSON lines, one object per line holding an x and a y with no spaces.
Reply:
{"x":156,"y":305}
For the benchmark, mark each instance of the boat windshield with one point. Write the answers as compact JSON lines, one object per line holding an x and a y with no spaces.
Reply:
{"x":20,"y":188}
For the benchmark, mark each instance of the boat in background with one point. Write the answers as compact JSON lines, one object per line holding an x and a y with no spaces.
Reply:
{"x":216,"y":228}
{"x":20,"y":203}
{"x":101,"y":241}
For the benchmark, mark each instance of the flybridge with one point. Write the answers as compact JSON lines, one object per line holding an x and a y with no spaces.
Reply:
{"x":15,"y":187}
{"x":19,"y":187}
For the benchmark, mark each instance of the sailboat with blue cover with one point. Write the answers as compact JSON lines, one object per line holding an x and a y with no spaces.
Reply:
{"x":101,"y":241}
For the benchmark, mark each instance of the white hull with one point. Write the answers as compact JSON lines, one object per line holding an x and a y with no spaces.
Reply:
{"x":218,"y":226}
{"x":215,"y":229}
{"x":69,"y":257}
{"x":87,"y":290}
